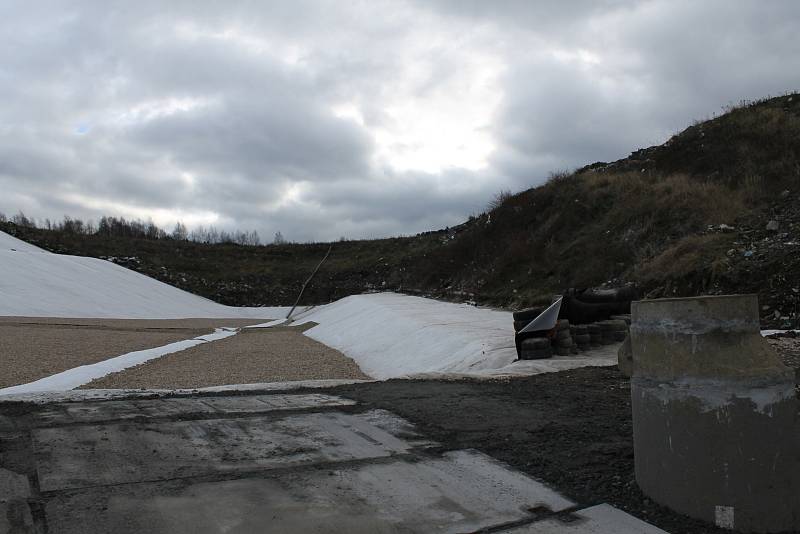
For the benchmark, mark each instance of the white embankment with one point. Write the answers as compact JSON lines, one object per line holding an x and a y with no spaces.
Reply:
{"x":387,"y":334}
{"x":391,"y":335}
{"x":37,"y":283}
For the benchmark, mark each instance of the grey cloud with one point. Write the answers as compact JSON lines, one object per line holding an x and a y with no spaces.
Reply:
{"x":579,"y":81}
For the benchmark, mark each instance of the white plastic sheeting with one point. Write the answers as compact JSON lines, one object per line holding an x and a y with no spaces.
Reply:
{"x":37,"y":283}
{"x":391,"y":335}
{"x":387,"y":334}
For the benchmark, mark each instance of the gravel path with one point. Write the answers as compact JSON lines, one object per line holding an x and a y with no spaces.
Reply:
{"x":35,"y":347}
{"x":129,"y":324}
{"x":253,"y":355}
{"x":28,"y":353}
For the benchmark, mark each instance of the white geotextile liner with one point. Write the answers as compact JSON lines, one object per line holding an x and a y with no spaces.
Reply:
{"x":387,"y":334}
{"x":37,"y":283}
{"x":391,"y":335}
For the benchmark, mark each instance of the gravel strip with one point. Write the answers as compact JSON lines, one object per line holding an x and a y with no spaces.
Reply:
{"x":28,"y":353}
{"x":253,"y":355}
{"x":129,"y":324}
{"x":35,"y":347}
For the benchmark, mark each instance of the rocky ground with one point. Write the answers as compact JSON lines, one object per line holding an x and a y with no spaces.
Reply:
{"x":788,"y":346}
{"x":763,"y":254}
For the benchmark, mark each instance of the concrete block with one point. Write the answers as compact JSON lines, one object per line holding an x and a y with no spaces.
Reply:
{"x":715,"y":416}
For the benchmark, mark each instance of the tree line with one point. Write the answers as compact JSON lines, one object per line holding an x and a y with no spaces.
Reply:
{"x":136,"y":228}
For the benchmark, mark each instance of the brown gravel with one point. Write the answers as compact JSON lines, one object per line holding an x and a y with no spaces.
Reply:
{"x":35,"y":347}
{"x":130,"y":324}
{"x":254,"y":355}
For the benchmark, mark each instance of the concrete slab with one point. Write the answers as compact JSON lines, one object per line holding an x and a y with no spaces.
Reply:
{"x":87,"y":455}
{"x":13,"y":485}
{"x":263,"y":463}
{"x":6,"y":424}
{"x":600,"y":519}
{"x":463,"y":491}
{"x":110,"y":394}
{"x":15,"y":515}
{"x":261,"y":403}
{"x":118,"y":410}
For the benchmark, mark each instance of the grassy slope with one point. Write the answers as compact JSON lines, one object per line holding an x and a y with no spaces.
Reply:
{"x":643,"y":219}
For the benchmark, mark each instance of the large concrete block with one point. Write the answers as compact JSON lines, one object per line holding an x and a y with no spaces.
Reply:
{"x":714,"y":414}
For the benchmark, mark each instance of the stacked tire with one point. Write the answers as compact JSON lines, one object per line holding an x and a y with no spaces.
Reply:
{"x":522,"y":318}
{"x":563,"y":340}
{"x":613,"y":331}
{"x":595,"y":335}
{"x":624,"y":317}
{"x":581,"y":336}
{"x":536,"y":348}
{"x":568,"y":339}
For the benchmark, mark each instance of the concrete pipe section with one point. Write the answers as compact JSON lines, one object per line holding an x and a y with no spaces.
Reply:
{"x":715,"y":417}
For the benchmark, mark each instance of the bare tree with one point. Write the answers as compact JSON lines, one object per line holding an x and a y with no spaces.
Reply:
{"x":180,"y":233}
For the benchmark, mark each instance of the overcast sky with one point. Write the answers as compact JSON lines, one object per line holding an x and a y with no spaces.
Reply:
{"x":323,"y":119}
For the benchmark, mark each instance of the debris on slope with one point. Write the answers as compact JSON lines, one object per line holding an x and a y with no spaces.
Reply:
{"x":765,"y":259}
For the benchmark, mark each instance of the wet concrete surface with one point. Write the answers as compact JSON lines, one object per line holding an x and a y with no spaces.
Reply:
{"x":277,"y":462}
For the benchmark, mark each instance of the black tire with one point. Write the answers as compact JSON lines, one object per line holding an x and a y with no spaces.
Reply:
{"x":614,"y":326}
{"x":534,"y":343}
{"x":536,"y":356}
{"x":564,"y":342}
{"x":519,"y":325}
{"x":579,"y":329}
{"x":580,"y":312}
{"x":620,"y":336}
{"x":583,"y":339}
{"x":562,"y":351}
{"x":563,"y":334}
{"x":574,"y":349}
{"x":528,"y":314}
{"x":621,"y":294}
{"x":593,"y":329}
{"x":562,"y":324}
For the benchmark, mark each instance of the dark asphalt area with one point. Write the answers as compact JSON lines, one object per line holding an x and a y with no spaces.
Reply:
{"x":571,"y":429}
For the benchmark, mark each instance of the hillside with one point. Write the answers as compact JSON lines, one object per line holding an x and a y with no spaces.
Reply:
{"x":713,"y":210}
